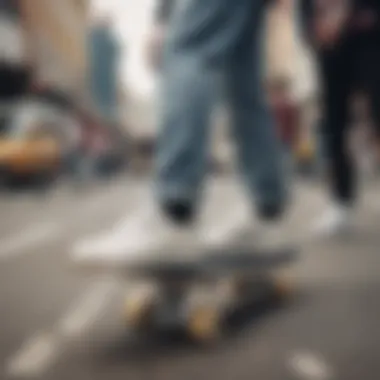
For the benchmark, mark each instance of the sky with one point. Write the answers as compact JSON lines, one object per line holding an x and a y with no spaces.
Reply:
{"x":132,"y":20}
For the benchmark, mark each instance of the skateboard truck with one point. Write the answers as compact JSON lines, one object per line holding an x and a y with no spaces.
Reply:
{"x":198,"y":297}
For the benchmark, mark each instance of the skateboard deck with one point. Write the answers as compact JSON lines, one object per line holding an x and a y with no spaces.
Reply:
{"x":198,"y":295}
{"x":211,"y":265}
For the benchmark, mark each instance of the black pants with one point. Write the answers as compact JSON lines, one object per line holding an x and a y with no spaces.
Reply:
{"x":352,"y":66}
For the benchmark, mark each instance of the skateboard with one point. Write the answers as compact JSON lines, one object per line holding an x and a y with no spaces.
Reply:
{"x":197,"y":297}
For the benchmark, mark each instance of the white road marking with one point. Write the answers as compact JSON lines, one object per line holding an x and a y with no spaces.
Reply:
{"x":309,"y":366}
{"x":131,"y":221}
{"x":86,"y":311}
{"x":32,"y":237}
{"x":39,"y":353}
{"x":135,"y":196}
{"x":34,"y":357}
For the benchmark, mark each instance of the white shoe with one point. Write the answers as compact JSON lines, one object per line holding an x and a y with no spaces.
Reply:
{"x":244,"y":231}
{"x":226,"y":231}
{"x":334,"y":221}
{"x":141,"y":238}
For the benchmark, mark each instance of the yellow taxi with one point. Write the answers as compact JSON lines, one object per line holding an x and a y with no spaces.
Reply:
{"x":32,"y":156}
{"x":28,"y":151}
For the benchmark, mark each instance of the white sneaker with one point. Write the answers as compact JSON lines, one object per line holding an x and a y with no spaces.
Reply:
{"x":334,"y":221}
{"x":141,"y":238}
{"x":229,"y":230}
{"x":244,"y":231}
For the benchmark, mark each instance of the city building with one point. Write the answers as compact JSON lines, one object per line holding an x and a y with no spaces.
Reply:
{"x":104,"y":53}
{"x":56,"y":33}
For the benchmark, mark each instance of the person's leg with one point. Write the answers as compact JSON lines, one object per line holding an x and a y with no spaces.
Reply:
{"x":205,"y":35}
{"x":375,"y":102}
{"x":373,"y":86}
{"x":336,"y":126}
{"x":320,"y":148}
{"x":259,"y":149}
{"x":183,"y":141}
{"x":336,"y":80}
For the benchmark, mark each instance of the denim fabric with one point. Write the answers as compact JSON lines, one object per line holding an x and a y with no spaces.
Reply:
{"x":212,"y":41}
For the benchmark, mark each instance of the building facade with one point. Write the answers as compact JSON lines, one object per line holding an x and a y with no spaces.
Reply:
{"x":103,"y":70}
{"x":56,"y":33}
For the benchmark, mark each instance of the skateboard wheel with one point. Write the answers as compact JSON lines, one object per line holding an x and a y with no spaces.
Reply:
{"x":283,"y":287}
{"x":204,"y":325}
{"x":138,"y":312}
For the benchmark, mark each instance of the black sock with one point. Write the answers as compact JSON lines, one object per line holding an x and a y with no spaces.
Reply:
{"x":179,"y":211}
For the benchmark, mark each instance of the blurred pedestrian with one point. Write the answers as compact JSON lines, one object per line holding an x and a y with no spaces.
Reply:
{"x":287,"y":116}
{"x":346,"y":39}
{"x":206,"y":41}
{"x":155,"y":46}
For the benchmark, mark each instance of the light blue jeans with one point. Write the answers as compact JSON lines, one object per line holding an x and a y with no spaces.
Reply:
{"x":213,"y":42}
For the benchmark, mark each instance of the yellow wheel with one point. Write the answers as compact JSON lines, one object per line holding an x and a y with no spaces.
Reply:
{"x":204,"y":324}
{"x":138,"y":311}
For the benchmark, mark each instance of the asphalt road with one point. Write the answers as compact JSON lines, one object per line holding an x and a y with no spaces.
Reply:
{"x":56,"y":324}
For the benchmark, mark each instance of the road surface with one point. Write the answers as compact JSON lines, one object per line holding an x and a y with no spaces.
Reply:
{"x":56,"y":324}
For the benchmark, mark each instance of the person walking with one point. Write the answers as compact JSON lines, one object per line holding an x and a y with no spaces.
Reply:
{"x":345,"y":35}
